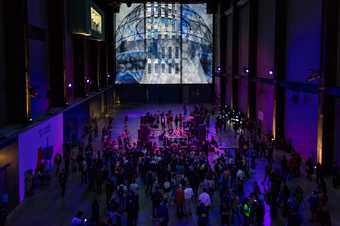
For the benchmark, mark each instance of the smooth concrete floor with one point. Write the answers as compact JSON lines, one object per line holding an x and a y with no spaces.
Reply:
{"x":47,"y":208}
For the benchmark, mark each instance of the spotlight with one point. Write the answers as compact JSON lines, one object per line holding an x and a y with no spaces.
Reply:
{"x":270,"y":72}
{"x":69,"y":85}
{"x":219,"y":69}
{"x":108,"y":75}
{"x":30,"y":119}
{"x":87,"y":81}
{"x":246,"y":70}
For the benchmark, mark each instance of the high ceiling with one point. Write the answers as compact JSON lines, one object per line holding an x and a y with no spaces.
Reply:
{"x":163,"y":1}
{"x":117,"y":2}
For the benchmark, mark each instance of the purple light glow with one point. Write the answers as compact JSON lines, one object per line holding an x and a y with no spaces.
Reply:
{"x":301,"y":123}
{"x":69,"y":85}
{"x":48,"y":133}
{"x":270,"y":72}
{"x":87,"y":81}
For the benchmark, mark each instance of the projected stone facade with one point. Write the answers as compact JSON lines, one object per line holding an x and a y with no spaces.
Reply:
{"x":164,"y":44}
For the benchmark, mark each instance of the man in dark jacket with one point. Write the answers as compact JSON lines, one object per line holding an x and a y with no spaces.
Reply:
{"x":62,"y":182}
{"x":202,"y":215}
{"x":3,"y":214}
{"x":132,"y":208}
{"x":163,"y":213}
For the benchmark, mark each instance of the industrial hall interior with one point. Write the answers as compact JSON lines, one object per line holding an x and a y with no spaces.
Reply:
{"x":169,"y":112}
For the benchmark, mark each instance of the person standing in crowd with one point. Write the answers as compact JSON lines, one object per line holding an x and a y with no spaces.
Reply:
{"x":3,"y":214}
{"x":163,"y":213}
{"x":309,"y":168}
{"x":188,"y":196}
{"x":204,"y":198}
{"x":62,"y":182}
{"x":202,"y":214}
{"x":67,"y":157}
{"x":132,"y":208}
{"x":78,"y":220}
{"x":156,"y":198}
{"x":95,"y":215}
{"x":225,"y":212}
{"x":57,"y":162}
{"x":180,"y":201}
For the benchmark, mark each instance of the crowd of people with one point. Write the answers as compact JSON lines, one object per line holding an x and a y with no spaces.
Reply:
{"x":181,"y":174}
{"x":191,"y":175}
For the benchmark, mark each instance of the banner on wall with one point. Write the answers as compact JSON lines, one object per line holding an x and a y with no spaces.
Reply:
{"x":37,"y":145}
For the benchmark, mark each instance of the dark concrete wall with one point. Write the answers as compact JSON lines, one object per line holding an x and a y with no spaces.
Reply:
{"x":69,"y":67}
{"x":229,"y":44}
{"x":265,"y":62}
{"x":337,"y":131}
{"x":2,"y":69}
{"x":266,"y":37}
{"x":243,"y":57}
{"x":265,"y":106}
{"x":338,"y":63}
{"x":243,"y":39}
{"x":243,"y":95}
{"x":38,"y":55}
{"x":303,"y":38}
{"x":229,"y":91}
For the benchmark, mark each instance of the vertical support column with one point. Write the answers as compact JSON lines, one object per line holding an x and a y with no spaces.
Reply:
{"x":98,"y":58}
{"x":280,"y":65}
{"x":235,"y":53}
{"x":79,"y":65}
{"x":223,"y":55}
{"x":103,"y":66}
{"x":328,"y":70}
{"x":109,"y":45}
{"x":253,"y":15}
{"x":16,"y":42}
{"x":56,"y":65}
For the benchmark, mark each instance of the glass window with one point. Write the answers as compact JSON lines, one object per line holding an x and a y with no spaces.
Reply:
{"x":170,"y":68}
{"x":177,"y":68}
{"x":156,"y":68}
{"x":177,"y":52}
{"x":170,"y":52}
{"x":149,"y":68}
{"x":163,"y":68}
{"x":163,"y":52}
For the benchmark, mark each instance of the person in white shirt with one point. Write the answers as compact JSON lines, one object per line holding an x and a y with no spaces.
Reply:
{"x":134,"y":187}
{"x":188,"y":194}
{"x":204,"y":198}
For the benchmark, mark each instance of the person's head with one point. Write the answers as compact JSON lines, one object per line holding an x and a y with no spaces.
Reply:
{"x":79,"y":214}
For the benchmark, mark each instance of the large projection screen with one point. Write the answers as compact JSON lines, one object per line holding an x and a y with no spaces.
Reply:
{"x":158,"y":43}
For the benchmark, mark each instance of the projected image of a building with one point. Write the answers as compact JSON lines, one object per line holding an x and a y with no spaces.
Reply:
{"x":164,"y":44}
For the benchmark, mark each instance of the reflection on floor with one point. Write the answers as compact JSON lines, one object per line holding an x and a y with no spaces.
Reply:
{"x":48,"y":209}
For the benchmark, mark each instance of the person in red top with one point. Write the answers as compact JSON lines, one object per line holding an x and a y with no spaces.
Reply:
{"x":180,"y":201}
